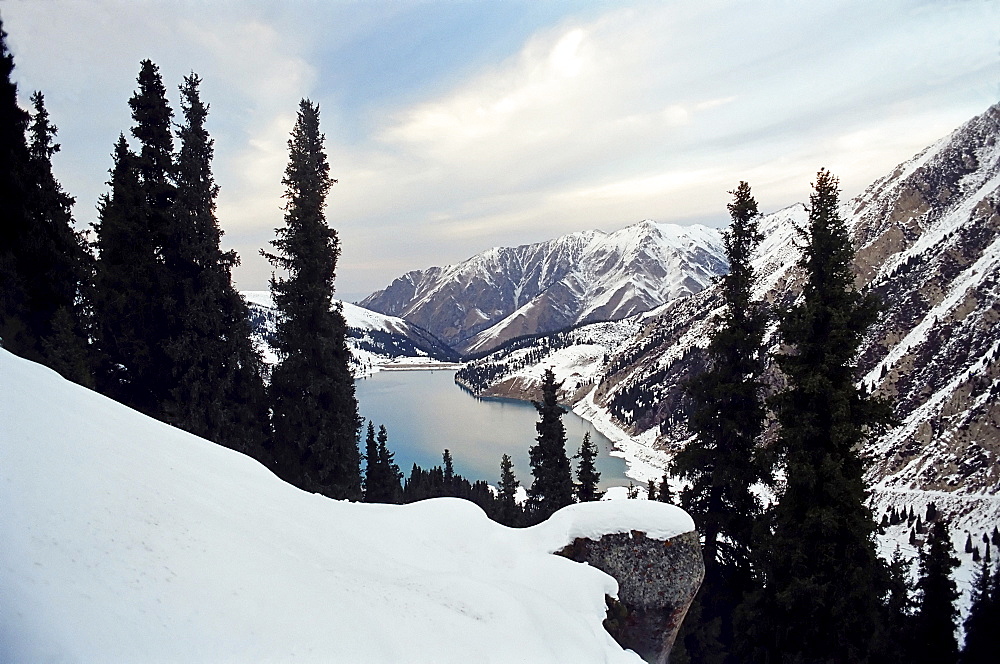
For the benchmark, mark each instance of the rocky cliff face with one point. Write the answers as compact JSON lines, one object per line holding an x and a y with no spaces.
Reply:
{"x":928,"y":244}
{"x":507,"y":293}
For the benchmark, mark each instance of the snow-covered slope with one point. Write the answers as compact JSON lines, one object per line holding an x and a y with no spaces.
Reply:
{"x":125,"y":540}
{"x":510,"y":292}
{"x":373,"y":338}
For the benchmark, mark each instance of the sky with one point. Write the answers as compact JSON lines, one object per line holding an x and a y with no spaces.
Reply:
{"x":455,"y":126}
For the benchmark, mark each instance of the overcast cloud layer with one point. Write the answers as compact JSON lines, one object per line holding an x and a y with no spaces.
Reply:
{"x":456,"y":126}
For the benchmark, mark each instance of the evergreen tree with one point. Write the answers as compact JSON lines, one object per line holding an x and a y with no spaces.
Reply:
{"x":509,"y":512}
{"x":217,"y":388}
{"x":899,"y":611}
{"x":982,"y":637}
{"x":389,"y":489}
{"x":936,"y":595}
{"x":719,"y":463}
{"x":449,"y":468}
{"x":58,"y":267}
{"x":315,"y":411}
{"x":44,"y":264}
{"x":15,"y":229}
{"x":665,"y":495}
{"x":370,"y":482}
{"x":587,"y":475}
{"x":552,"y":486}
{"x":133,"y":307}
{"x":824,"y":581}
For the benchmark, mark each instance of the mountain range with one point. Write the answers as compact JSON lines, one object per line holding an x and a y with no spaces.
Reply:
{"x":511,"y":292}
{"x":927,"y":236}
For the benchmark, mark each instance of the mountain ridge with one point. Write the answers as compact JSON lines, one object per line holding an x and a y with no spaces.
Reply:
{"x":508,"y":292}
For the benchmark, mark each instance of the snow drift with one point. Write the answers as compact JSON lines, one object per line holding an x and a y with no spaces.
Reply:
{"x":124,"y":539}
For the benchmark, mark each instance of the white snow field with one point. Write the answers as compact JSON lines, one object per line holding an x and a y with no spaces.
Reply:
{"x":125,"y":540}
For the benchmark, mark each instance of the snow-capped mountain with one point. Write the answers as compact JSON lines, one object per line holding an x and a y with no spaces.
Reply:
{"x":372,"y":337}
{"x":928,"y":244}
{"x":511,"y":292}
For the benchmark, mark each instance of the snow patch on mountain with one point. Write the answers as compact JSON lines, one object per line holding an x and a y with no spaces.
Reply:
{"x":373,"y":338}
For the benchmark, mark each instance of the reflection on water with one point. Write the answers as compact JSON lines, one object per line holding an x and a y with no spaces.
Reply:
{"x":426,"y":412}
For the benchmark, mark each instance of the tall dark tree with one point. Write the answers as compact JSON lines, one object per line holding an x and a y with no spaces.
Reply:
{"x":370,"y":480}
{"x":552,"y":486}
{"x":133,"y":307}
{"x":391,"y":475}
{"x":665,"y":495}
{"x":315,"y":411}
{"x":449,"y":468}
{"x":720,"y":464}
{"x":15,"y":228}
{"x":899,"y":627}
{"x":509,"y":512}
{"x":217,"y":389}
{"x":937,"y":616}
{"x":982,"y":636}
{"x":382,"y":475}
{"x":44,"y":264}
{"x":824,"y":582}
{"x":587,"y":475}
{"x":57,"y":265}
{"x":390,"y":470}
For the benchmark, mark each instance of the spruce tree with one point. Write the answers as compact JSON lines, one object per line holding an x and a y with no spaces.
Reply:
{"x":509,"y":511}
{"x":133,"y":307}
{"x":823,"y":578}
{"x":587,"y":475}
{"x":125,"y":276}
{"x":56,"y":264}
{"x":388,"y":486}
{"x":720,"y":464}
{"x":982,"y":636}
{"x":315,"y":411}
{"x":370,"y":480}
{"x":449,"y":469}
{"x":217,"y":389}
{"x":552,"y":487}
{"x":15,"y":230}
{"x":665,"y":495}
{"x":936,"y":594}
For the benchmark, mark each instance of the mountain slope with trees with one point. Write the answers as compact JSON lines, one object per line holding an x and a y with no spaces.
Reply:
{"x":927,"y":240}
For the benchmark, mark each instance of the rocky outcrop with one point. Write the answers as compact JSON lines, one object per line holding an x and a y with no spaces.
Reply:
{"x":657,"y":580}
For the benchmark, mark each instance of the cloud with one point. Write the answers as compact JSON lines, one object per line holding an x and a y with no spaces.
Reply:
{"x":606,"y":115}
{"x":659,"y":110}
